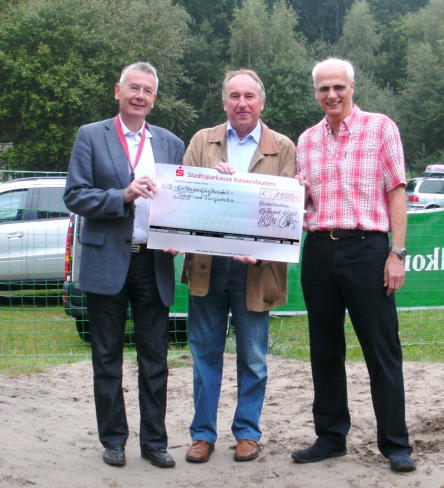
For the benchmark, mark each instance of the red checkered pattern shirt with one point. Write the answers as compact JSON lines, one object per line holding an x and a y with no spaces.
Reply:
{"x":351,"y":175}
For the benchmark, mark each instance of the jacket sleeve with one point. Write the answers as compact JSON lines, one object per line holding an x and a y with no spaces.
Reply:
{"x":193,"y":156}
{"x":92,"y":190}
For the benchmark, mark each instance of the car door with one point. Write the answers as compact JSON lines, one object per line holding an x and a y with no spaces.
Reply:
{"x":48,"y":224}
{"x":13,"y":235}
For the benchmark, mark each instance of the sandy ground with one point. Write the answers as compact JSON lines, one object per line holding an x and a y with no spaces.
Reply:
{"x":48,"y":433}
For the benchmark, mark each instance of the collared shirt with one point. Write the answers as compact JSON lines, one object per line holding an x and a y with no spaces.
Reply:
{"x":240,"y":152}
{"x":146,"y":166}
{"x":350,"y":175}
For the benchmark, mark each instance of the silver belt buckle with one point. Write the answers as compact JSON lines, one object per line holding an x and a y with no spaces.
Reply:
{"x":135,"y":248}
{"x":333,"y":237}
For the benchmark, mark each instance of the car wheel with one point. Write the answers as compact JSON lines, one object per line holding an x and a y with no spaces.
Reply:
{"x":83,"y":329}
{"x":432,"y":206}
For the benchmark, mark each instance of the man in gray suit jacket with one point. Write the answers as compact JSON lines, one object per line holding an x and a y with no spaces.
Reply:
{"x":110,"y":183}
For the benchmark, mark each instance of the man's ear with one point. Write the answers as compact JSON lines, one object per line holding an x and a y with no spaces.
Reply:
{"x":117,"y":91}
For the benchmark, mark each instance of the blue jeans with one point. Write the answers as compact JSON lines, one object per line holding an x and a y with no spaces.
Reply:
{"x":208,"y":318}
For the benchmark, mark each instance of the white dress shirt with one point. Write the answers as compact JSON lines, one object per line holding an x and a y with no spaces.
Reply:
{"x":145,"y":167}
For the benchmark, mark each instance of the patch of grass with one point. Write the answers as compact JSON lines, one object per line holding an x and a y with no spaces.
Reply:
{"x":34,"y":338}
{"x":421,"y":333}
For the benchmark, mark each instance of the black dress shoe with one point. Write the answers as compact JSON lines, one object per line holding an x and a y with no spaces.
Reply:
{"x":158,"y":457}
{"x":317,"y":452}
{"x":401,"y":463}
{"x":114,"y":456}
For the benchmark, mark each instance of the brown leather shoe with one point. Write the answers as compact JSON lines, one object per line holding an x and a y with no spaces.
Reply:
{"x":246,"y":450}
{"x":199,"y":452}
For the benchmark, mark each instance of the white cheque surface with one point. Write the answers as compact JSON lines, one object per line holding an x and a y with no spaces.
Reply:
{"x":201,"y":210}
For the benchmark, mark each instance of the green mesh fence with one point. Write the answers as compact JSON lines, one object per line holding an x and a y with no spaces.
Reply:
{"x":43,"y":314}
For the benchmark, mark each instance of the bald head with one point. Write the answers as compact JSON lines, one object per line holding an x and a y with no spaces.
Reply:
{"x":334,"y":63}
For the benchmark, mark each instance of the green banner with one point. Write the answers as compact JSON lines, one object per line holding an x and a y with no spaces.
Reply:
{"x":424,"y":265}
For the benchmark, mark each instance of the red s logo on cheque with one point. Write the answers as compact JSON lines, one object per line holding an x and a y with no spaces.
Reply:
{"x":180,"y":171}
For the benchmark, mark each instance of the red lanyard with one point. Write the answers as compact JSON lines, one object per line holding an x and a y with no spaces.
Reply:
{"x":122,"y":139}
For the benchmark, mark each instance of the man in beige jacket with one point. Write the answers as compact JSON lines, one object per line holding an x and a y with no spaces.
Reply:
{"x":244,"y":285}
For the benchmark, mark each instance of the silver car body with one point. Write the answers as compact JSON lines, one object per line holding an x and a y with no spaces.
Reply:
{"x":33,"y":226}
{"x":424,"y":192}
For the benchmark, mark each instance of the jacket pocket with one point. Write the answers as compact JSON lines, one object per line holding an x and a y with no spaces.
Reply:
{"x":92,"y":238}
{"x":272,"y":284}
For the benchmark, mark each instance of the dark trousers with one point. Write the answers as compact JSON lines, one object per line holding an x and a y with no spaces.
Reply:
{"x":347,"y":274}
{"x":107,"y":315}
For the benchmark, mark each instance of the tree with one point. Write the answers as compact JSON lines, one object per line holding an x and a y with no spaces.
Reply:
{"x":370,"y":97}
{"x":321,"y":19}
{"x":421,"y":99}
{"x":61,"y":59}
{"x":359,"y":41}
{"x":248,"y":33}
{"x":290,"y":107}
{"x":262,"y":37}
{"x":283,"y":44}
{"x":206,"y":58}
{"x":427,"y":24}
{"x":386,"y":12}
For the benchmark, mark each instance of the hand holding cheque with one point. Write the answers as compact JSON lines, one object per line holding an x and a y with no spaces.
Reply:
{"x":201,"y":210}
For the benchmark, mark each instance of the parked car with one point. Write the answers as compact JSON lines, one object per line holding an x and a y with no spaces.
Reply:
{"x":424,"y":193}
{"x":436,"y":170}
{"x":33,"y":225}
{"x":74,"y":300}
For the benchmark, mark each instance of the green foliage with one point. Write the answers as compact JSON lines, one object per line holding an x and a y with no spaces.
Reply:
{"x":290,"y":107}
{"x":262,"y":37}
{"x":61,"y":60}
{"x":371,"y":98}
{"x":283,"y":44}
{"x":248,"y":35}
{"x":427,"y":24}
{"x":359,"y":41}
{"x":205,"y":62}
{"x":420,"y":102}
{"x":387,"y":11}
{"x":321,"y":19}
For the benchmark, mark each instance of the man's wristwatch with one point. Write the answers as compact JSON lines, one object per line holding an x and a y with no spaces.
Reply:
{"x":400,"y":252}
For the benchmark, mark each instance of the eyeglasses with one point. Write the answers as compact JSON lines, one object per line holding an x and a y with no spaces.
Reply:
{"x":326,"y":88}
{"x":135,"y":89}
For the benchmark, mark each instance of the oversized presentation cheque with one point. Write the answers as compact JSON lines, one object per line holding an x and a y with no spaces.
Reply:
{"x":201,"y":210}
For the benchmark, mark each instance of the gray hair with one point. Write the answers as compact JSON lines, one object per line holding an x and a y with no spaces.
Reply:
{"x":248,"y":72}
{"x":141,"y":66}
{"x":342,"y":62}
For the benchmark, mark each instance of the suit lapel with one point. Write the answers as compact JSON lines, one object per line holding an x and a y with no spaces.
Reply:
{"x":118,"y":157}
{"x":159,"y":146}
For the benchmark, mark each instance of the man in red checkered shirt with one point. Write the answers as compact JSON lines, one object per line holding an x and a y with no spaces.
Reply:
{"x":353,"y":166}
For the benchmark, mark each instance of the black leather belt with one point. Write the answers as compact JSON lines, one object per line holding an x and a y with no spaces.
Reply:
{"x":136,"y":248}
{"x":338,"y":234}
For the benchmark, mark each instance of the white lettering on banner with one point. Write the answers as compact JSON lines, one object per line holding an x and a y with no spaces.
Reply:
{"x":429,"y":262}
